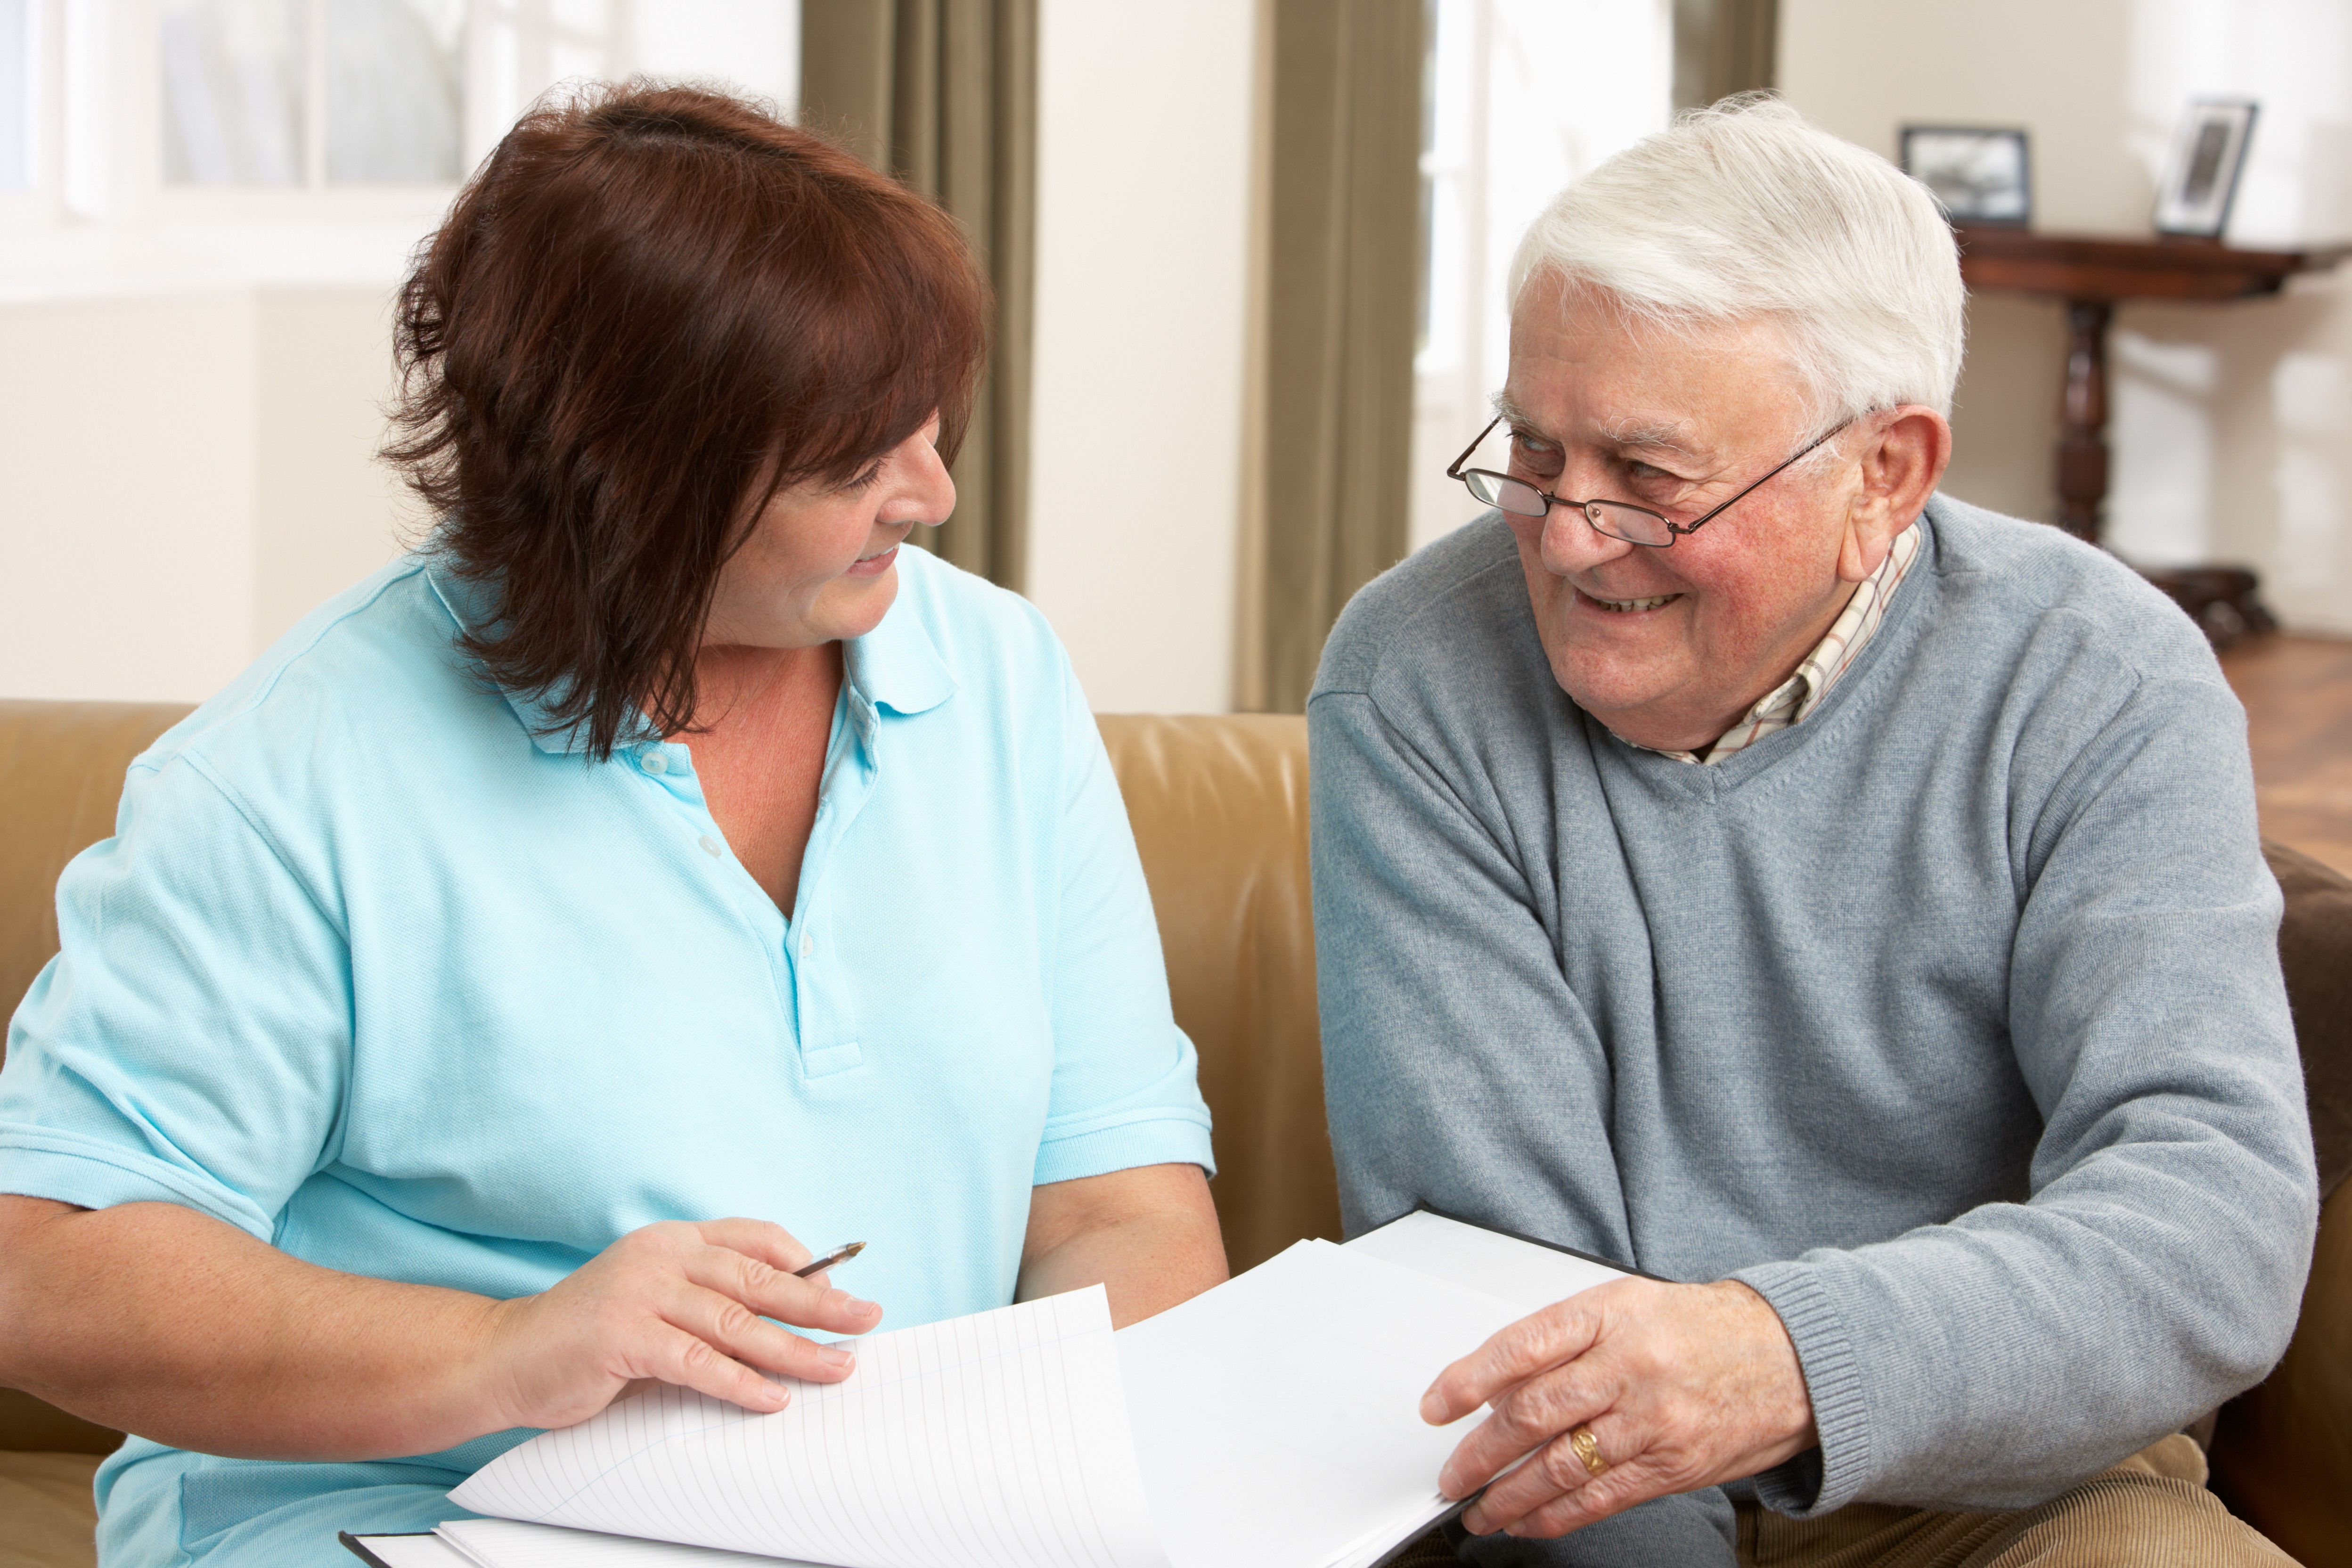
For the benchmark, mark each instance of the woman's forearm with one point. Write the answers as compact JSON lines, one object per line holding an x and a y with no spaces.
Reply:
{"x":157,"y":1319}
{"x":1149,"y":1235}
{"x":162,"y":1321}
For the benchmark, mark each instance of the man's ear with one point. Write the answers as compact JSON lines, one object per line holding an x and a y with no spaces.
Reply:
{"x":1904,"y":455}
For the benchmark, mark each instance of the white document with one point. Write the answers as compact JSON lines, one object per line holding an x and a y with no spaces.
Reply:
{"x":999,"y":1440}
{"x":1271,"y":1423}
{"x":1526,"y":1272}
{"x":1277,"y":1417}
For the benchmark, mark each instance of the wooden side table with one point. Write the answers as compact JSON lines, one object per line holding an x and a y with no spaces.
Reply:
{"x":2092,"y":275}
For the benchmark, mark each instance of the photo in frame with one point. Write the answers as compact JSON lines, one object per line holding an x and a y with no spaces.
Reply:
{"x":1980,"y":176}
{"x":2200,"y":177}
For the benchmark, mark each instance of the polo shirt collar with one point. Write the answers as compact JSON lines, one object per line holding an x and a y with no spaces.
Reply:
{"x":895,"y":665}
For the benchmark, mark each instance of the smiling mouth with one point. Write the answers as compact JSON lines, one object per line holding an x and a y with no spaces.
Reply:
{"x":1632,"y":606}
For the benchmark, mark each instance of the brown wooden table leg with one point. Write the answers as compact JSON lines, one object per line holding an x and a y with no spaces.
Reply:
{"x":2220,"y":599}
{"x":2083,"y":442}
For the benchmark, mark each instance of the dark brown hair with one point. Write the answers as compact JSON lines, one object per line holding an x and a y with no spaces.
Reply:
{"x":650,"y":309}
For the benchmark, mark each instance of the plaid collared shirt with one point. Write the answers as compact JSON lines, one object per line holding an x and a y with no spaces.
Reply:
{"x":1794,"y":699}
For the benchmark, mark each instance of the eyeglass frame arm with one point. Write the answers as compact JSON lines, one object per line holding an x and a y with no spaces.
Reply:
{"x":1674,"y":530}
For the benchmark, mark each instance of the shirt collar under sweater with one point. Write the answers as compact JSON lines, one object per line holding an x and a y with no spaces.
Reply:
{"x":1793,"y":700}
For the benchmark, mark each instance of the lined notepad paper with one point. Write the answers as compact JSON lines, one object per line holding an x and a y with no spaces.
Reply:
{"x":999,"y":1440}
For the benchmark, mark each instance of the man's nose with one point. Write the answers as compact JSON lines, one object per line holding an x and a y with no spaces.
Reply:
{"x":1569,"y":542}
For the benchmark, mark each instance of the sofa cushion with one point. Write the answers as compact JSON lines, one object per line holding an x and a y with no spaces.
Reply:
{"x":47,"y":1517}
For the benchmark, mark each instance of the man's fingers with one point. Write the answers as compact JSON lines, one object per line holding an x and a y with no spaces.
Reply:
{"x":1613,"y":1493}
{"x":1524,"y":1418}
{"x":1555,"y":1471}
{"x":1512,"y":1354}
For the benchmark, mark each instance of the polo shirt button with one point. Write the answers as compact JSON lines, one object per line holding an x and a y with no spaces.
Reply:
{"x":655,"y":762}
{"x":808,"y":944}
{"x":710,"y":846}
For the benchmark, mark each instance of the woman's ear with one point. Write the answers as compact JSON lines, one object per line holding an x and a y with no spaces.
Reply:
{"x":1903,"y":457}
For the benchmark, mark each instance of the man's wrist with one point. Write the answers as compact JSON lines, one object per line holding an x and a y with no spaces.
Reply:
{"x":1783,"y":1405}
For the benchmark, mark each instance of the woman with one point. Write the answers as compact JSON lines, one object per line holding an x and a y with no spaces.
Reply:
{"x":663,"y":843}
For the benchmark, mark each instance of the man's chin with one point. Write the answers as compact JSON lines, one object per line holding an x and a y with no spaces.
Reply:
{"x":1613,"y":689}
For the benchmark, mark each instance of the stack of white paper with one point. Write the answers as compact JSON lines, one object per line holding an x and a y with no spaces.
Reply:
{"x":1271,"y":1423}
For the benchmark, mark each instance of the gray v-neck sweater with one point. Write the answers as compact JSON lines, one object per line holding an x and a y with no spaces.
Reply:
{"x":1950,"y":1019}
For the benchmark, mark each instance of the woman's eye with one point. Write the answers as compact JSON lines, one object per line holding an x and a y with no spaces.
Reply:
{"x":865,"y":480}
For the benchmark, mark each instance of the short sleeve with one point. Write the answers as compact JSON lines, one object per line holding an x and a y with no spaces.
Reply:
{"x":190,"y":1042}
{"x":1125,"y":1091}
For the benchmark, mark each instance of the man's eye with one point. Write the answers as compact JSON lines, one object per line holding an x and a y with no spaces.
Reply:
{"x":1535,"y":453}
{"x":1648,"y":473}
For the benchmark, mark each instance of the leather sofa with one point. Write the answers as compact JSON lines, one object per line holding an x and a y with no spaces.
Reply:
{"x":1219,"y":811}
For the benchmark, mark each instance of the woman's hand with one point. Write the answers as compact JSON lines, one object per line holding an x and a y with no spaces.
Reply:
{"x":154,"y":1319}
{"x":1680,"y":1386}
{"x":683,"y":1303}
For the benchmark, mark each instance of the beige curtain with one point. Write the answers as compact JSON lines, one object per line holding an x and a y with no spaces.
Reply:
{"x":943,"y":94}
{"x":1326,"y":511}
{"x":1723,"y":46}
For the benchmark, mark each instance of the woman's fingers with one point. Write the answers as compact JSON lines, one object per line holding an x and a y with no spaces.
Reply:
{"x":773,"y":1292}
{"x":769,"y":1242}
{"x":744,"y":1335}
{"x":679,"y":1355}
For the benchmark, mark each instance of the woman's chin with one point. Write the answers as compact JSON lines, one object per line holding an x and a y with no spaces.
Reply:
{"x":854,"y":606}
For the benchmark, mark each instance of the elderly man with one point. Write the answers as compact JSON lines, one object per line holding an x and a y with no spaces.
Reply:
{"x":1737,"y":860}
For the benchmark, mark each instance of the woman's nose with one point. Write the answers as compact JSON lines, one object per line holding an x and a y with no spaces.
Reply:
{"x":931,"y":494}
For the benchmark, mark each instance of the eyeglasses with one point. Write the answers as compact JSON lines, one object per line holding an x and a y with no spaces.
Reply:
{"x":1617,"y":519}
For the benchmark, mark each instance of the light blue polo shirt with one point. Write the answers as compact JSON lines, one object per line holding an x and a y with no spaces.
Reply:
{"x":374,"y":973}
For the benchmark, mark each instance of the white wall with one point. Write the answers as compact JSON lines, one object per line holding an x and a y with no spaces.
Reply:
{"x":1143,"y":215}
{"x":185,"y":472}
{"x":2229,"y":422}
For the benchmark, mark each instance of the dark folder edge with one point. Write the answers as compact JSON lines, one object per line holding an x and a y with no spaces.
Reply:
{"x":362,"y":1554}
{"x":1530,"y":1240}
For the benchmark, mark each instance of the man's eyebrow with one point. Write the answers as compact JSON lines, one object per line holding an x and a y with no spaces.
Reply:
{"x":1512,"y":413}
{"x":1658,"y":435}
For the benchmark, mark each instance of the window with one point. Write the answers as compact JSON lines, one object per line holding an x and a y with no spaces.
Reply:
{"x":1523,"y":97}
{"x":211,"y":111}
{"x":16,"y":94}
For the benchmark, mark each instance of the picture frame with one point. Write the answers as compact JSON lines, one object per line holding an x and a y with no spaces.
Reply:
{"x":1981,"y":175}
{"x":2200,"y":176}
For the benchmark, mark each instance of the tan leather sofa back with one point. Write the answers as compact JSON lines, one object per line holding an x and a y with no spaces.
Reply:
{"x":1219,"y":806}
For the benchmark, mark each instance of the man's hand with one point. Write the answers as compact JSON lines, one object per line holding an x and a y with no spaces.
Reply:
{"x":685,"y":1303}
{"x":1681,"y":1386}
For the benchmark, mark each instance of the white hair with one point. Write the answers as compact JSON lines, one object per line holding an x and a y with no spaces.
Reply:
{"x":1745,"y":211}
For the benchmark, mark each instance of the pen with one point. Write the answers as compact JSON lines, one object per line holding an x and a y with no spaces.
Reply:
{"x":838,"y":1255}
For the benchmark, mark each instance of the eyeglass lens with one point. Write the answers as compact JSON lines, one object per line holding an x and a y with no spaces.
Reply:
{"x":1630,"y":523}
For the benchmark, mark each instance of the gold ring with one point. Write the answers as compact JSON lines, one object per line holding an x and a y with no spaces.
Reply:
{"x":1588,"y":1448}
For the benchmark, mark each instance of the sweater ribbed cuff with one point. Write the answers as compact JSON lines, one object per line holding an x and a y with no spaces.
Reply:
{"x":1809,"y":1485}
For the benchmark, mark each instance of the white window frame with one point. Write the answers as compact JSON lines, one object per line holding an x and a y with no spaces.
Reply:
{"x":96,"y":142}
